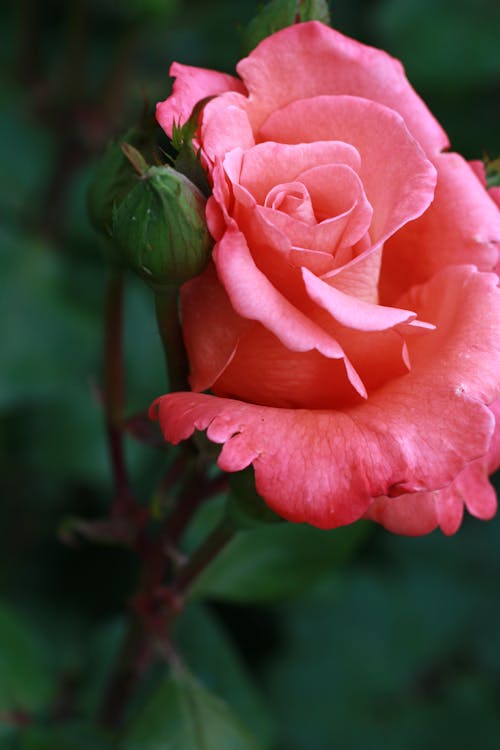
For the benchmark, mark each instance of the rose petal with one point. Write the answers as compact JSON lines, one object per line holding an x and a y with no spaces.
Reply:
{"x":269,"y":164}
{"x":191,"y":86}
{"x":324,"y":468}
{"x":211,"y":328}
{"x":254,"y":297}
{"x":494,"y":194}
{"x":462,"y":225}
{"x":493,"y":458}
{"x":292,"y":200}
{"x":423,"y":512}
{"x":263,"y":371}
{"x":359,"y":278}
{"x":310,"y":59}
{"x":459,"y":302}
{"x":336,"y":190}
{"x":397,"y":178}
{"x":225,"y":126}
{"x":412,"y":435}
{"x":352,"y":312}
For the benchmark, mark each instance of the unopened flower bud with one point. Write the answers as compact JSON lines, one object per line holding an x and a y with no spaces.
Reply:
{"x":160,"y":228}
{"x":115,"y":175}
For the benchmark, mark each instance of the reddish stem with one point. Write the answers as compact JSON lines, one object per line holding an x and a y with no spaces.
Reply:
{"x":201,"y":558}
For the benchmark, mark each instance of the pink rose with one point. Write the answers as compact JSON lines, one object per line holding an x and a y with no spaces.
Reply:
{"x":349,"y":324}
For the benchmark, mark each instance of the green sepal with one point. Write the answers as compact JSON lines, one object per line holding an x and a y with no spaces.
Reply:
{"x":492,"y":173}
{"x":188,"y":160}
{"x":113,"y":178}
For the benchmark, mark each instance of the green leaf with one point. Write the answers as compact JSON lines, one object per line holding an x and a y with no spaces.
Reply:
{"x":278,"y":14}
{"x":314,"y":10}
{"x":407,"y":654}
{"x":26,"y":682}
{"x":277,"y":561}
{"x":270,"y":18}
{"x":74,"y":736}
{"x":182,"y":715}
{"x":211,"y":655}
{"x":493,"y":173}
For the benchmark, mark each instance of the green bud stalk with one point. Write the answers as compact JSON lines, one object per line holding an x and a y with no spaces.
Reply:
{"x":160,"y":231}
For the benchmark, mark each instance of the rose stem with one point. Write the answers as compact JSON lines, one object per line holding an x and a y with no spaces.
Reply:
{"x":199,"y":489}
{"x":132,"y":663}
{"x":201,"y":558}
{"x":114,"y":388}
{"x":167,"y":316}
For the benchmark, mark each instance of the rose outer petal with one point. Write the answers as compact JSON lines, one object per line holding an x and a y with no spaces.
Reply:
{"x":210,"y":326}
{"x":191,"y":86}
{"x":311,"y":59}
{"x":462,"y":225}
{"x":423,"y":512}
{"x":413,"y":435}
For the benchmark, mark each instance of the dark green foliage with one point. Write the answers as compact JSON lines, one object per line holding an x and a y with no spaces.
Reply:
{"x":375,"y":641}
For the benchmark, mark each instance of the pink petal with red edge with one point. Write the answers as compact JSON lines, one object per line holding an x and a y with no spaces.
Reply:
{"x":310,"y":59}
{"x":191,"y":86}
{"x":462,"y":225}
{"x":211,"y":328}
{"x":352,"y":312}
{"x":413,"y":435}
{"x":397,"y":178}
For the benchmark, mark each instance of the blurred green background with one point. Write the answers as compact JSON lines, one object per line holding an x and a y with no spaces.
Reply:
{"x":352,"y":639}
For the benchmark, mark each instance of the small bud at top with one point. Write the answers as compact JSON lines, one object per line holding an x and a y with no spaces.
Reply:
{"x":160,"y":228}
